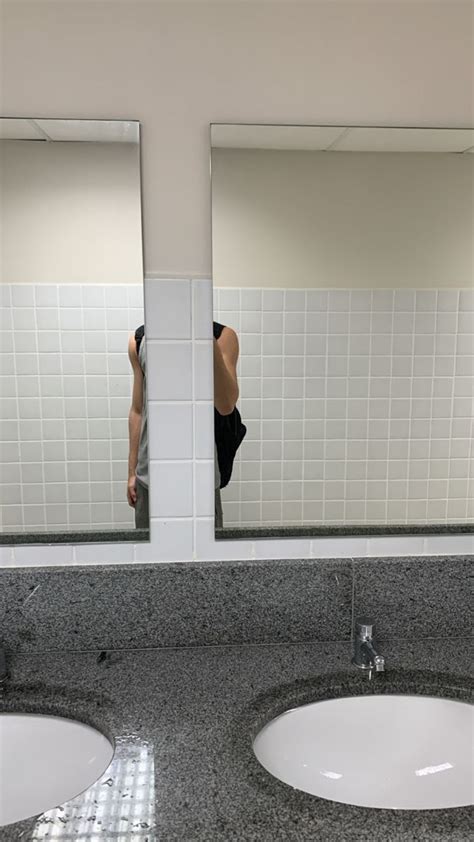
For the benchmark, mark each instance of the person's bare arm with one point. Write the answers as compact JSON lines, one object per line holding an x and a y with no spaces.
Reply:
{"x":226,"y":387}
{"x":134,"y":420}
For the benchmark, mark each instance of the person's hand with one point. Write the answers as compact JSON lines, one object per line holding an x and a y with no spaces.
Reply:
{"x":132,"y":492}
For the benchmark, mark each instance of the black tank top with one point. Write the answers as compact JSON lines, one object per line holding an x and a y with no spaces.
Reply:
{"x":228,"y":431}
{"x":217,"y":328}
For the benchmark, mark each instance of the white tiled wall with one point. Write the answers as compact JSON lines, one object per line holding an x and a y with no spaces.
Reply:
{"x":181,"y":411}
{"x":65,"y":388}
{"x":358,"y":405}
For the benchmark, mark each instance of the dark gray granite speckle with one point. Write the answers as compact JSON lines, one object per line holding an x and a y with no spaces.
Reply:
{"x":195,"y":604}
{"x":194,"y":713}
{"x":231,"y":533}
{"x":231,"y":602}
{"x":103,"y":536}
{"x":426,"y":596}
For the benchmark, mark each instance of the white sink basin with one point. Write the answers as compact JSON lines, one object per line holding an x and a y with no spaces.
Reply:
{"x":44,"y":761}
{"x":395,"y":752}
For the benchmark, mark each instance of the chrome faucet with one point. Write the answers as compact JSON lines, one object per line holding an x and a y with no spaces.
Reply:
{"x":365,"y":655}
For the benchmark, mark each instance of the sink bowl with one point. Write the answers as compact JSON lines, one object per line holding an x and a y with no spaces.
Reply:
{"x":44,"y":761}
{"x":386,"y":751}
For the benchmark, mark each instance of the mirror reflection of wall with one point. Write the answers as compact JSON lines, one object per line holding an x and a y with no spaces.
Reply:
{"x":71,"y":293}
{"x":343,"y":259}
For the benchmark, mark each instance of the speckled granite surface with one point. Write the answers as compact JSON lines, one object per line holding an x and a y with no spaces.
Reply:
{"x":231,"y":602}
{"x":188,"y":717}
{"x":148,"y":605}
{"x":416,"y":597}
{"x":231,"y":533}
{"x":91,"y":537}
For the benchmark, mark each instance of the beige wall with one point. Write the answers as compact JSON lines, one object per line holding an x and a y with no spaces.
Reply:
{"x":178,"y":66}
{"x":70,"y":213}
{"x":342,"y":219}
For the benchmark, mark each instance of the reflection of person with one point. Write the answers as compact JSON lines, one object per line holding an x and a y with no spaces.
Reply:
{"x":226,"y":393}
{"x":137,"y":488}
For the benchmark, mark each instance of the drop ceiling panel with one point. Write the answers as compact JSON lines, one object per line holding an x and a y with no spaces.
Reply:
{"x":19,"y":129}
{"x":274,"y":137}
{"x":405,"y":140}
{"x":95,"y":131}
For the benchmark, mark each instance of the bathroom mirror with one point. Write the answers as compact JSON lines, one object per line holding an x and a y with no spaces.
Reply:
{"x":343,"y":260}
{"x":71,"y":294}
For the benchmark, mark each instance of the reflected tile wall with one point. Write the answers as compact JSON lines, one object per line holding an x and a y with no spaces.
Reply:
{"x":358,"y":405}
{"x":65,"y":387}
{"x":181,"y":432}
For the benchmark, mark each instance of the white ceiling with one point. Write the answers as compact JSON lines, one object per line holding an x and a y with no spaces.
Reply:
{"x":92,"y":131}
{"x":337,"y":138}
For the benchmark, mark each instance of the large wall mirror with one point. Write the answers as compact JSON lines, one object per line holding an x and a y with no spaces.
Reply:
{"x":71,"y":294}
{"x":343,"y":261}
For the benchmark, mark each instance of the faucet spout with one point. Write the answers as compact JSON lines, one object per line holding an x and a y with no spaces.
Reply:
{"x":376,"y":661}
{"x":365,"y":654}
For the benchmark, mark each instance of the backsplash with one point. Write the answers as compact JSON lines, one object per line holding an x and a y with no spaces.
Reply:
{"x":66,"y":390}
{"x":246,"y":602}
{"x":358,"y":405}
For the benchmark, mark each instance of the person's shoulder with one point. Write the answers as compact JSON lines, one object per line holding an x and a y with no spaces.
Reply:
{"x":228,"y":332}
{"x":132,"y":349}
{"x":229,"y":342}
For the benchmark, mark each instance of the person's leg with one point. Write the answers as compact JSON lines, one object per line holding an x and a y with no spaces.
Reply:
{"x":218,"y":514}
{"x":142,"y":520}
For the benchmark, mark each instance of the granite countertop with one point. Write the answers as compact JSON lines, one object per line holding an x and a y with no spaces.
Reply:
{"x":183,"y":720}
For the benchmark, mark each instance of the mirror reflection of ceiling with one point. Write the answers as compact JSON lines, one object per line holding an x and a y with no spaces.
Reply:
{"x":88,"y":131}
{"x":342,"y":139}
